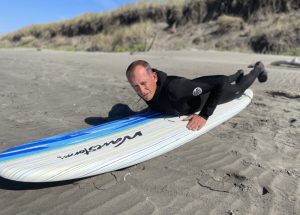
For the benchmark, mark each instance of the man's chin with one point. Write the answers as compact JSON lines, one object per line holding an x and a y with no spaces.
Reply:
{"x":147,"y":98}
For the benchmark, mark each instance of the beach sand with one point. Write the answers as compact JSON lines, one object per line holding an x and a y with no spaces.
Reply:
{"x":248,"y":165}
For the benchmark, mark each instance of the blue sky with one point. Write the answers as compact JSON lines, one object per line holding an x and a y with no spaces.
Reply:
{"x":16,"y":14}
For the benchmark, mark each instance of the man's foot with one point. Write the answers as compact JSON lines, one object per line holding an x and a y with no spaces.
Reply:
{"x":262,"y":75}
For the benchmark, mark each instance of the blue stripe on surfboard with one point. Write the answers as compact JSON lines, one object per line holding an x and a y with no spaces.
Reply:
{"x":59,"y":142}
{"x":106,"y":127}
{"x":48,"y":142}
{"x":95,"y":129}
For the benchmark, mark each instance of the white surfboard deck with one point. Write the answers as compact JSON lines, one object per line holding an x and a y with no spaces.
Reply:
{"x":107,"y":147}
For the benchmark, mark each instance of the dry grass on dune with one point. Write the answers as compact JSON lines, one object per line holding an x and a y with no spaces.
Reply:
{"x":134,"y":27}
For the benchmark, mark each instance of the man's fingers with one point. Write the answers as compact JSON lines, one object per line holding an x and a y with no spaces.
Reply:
{"x":192,"y":126}
{"x":195,"y":123}
{"x":189,"y":126}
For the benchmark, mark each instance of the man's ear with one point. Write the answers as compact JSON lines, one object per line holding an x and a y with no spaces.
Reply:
{"x":154,"y":76}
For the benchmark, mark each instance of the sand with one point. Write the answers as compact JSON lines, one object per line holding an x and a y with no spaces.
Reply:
{"x":248,"y":165}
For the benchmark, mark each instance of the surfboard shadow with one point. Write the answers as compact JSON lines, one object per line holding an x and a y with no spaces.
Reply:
{"x":6,"y":184}
{"x":118,"y":111}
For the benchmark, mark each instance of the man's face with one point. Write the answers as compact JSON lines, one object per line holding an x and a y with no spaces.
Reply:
{"x":143,"y":82}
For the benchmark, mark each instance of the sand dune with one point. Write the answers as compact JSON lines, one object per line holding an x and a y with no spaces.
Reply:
{"x":248,"y":165}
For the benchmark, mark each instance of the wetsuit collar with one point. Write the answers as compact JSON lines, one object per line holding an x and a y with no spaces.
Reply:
{"x":161,"y":78}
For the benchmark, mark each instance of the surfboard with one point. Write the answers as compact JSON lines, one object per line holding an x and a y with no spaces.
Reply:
{"x":107,"y":147}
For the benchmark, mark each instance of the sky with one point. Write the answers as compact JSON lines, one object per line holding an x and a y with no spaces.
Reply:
{"x":16,"y":14}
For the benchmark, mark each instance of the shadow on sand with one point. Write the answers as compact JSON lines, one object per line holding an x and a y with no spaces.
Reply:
{"x":6,"y":184}
{"x":118,"y":111}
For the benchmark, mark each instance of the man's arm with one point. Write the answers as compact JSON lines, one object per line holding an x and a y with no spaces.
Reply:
{"x":185,"y":89}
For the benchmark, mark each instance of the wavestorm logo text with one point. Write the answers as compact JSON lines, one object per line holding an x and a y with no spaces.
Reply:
{"x":86,"y":151}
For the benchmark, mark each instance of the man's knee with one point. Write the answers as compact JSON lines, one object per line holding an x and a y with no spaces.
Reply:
{"x":223,"y":80}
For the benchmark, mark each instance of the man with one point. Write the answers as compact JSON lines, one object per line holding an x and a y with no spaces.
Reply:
{"x":176,"y":95}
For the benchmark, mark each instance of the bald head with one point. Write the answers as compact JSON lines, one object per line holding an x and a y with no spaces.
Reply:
{"x":138,"y":63}
{"x":142,"y":79}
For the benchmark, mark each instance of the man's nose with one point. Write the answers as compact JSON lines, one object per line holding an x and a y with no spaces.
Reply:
{"x":142,"y":90}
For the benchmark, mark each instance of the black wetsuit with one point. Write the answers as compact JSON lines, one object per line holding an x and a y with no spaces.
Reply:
{"x":180,"y":96}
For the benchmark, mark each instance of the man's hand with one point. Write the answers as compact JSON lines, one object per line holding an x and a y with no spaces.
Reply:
{"x":195,"y":123}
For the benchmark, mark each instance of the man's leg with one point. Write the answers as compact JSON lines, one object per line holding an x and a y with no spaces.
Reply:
{"x":232,"y":91}
{"x":236,"y":76}
{"x":257,"y":72}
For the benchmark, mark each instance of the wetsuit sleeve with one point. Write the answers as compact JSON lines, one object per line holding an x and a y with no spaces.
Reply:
{"x":183,"y":89}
